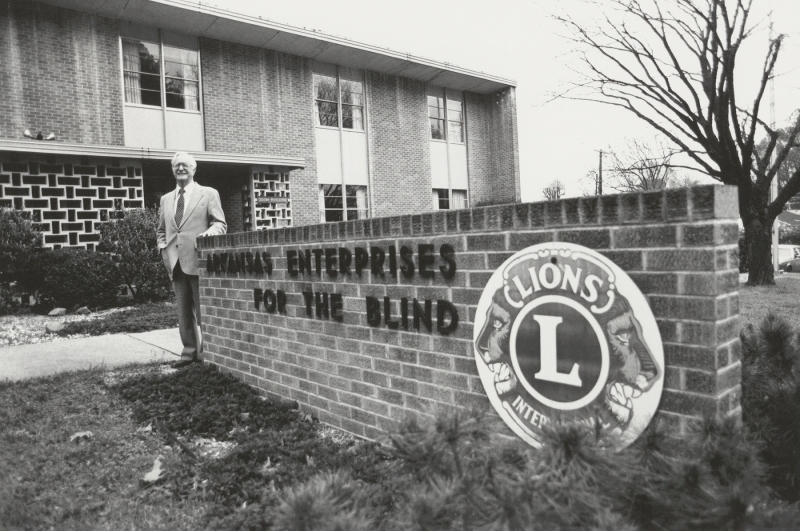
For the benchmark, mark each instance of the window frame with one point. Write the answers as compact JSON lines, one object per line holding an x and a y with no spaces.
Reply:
{"x":443,"y":94}
{"x":162,"y":75}
{"x":443,"y":118}
{"x":448,"y":197}
{"x":448,"y":120}
{"x":316,"y":100}
{"x":165,"y":76}
{"x":339,"y":103}
{"x":442,"y":195}
{"x":342,"y":75}
{"x":140,"y":73}
{"x":344,"y":209}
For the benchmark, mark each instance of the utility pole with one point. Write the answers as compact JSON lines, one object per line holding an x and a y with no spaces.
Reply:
{"x":599,"y":186}
{"x":773,"y":189}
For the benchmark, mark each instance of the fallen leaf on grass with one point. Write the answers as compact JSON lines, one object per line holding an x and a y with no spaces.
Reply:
{"x":80,"y":436}
{"x":156,"y":473}
{"x":146,"y":429}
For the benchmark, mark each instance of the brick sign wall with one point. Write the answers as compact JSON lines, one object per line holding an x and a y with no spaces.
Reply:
{"x":301,"y":313}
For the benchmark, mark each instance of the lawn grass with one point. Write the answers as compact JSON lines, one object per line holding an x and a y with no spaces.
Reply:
{"x":782,"y":299}
{"x":142,"y":318}
{"x":247,"y":450}
{"x":51,"y":482}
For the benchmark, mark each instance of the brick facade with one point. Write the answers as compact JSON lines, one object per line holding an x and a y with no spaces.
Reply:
{"x":59,"y":72}
{"x":260,"y":101}
{"x":399,"y":137}
{"x":679,"y":246}
{"x":492,"y":148}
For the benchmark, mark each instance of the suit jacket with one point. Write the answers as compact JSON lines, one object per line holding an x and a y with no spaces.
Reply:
{"x":203,"y":215}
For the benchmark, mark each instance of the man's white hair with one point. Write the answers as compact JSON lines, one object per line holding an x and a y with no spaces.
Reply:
{"x":184,"y":157}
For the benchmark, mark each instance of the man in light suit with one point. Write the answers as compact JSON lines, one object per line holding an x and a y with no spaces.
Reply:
{"x":187,"y":212}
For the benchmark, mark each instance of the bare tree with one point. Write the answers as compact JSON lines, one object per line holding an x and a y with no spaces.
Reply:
{"x":683,"y":180}
{"x":642,"y":166}
{"x":554,"y":190}
{"x":672,"y":64}
{"x":792,"y":162}
{"x":589,"y":183}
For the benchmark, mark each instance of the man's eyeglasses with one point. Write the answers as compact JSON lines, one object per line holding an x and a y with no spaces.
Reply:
{"x":182,"y":165}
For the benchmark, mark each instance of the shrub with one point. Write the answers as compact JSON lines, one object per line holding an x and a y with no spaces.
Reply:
{"x":771,"y":398}
{"x":790,"y":235}
{"x":19,"y":243}
{"x":450,"y":472}
{"x":133,"y":240}
{"x":74,"y":277}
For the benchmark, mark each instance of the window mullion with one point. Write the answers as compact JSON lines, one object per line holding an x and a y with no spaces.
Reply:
{"x":447,"y":140}
{"x":341,"y":140}
{"x":162,"y":73}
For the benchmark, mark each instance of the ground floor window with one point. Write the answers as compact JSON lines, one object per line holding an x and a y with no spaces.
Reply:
{"x":441,"y":199}
{"x":444,"y":199}
{"x":335,"y":207}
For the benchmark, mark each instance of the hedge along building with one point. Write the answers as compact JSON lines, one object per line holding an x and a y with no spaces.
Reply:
{"x":293,"y":127}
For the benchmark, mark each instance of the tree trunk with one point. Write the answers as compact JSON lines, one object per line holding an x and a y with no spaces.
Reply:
{"x":758,"y":236}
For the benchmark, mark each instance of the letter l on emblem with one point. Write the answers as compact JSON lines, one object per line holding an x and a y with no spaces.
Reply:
{"x":549,"y":354}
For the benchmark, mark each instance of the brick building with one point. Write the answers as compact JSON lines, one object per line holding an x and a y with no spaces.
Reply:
{"x":293,"y":127}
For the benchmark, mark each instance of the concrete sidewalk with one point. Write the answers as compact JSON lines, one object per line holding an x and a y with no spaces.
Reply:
{"x":43,"y":359}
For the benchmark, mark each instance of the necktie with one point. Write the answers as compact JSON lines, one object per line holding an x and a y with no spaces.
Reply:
{"x":179,"y":208}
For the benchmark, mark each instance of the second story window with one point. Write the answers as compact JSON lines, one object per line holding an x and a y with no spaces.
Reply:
{"x":446,"y":115}
{"x":326,"y":97}
{"x":142,"y":67}
{"x":436,"y":116}
{"x":181,"y":78}
{"x":352,"y":104}
{"x":173,"y":82}
{"x":455,"y":121}
{"x":331,"y":91}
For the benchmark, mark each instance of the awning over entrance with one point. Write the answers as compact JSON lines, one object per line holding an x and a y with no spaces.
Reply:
{"x":123,"y":152}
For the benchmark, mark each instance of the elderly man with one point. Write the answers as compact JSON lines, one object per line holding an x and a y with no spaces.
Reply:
{"x":187,"y":212}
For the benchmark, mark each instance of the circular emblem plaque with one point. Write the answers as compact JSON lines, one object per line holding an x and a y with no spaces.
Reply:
{"x":563,"y":334}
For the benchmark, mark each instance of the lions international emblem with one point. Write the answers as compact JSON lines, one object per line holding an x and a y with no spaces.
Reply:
{"x":563,"y":334}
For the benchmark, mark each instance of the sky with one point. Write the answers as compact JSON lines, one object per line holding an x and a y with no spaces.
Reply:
{"x":520,"y":40}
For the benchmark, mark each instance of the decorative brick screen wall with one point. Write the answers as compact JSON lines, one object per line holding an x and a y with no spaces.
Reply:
{"x":69,"y":202}
{"x":678,"y":245}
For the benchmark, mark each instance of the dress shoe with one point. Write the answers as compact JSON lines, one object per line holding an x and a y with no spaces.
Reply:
{"x":183,"y":363}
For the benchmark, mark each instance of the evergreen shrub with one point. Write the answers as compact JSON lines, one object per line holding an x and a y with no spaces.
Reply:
{"x":19,"y":244}
{"x":132,"y":240}
{"x":451,"y":472}
{"x":771,"y":399}
{"x":72,"y":278}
